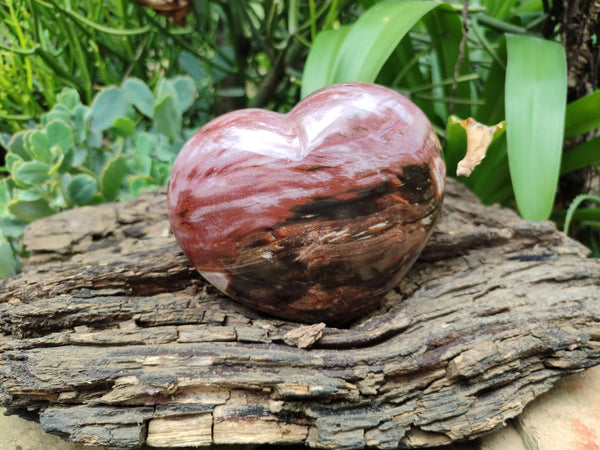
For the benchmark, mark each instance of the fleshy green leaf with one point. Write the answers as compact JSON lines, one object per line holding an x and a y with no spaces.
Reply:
{"x":17,"y":145}
{"x":139,"y":95}
{"x":186,"y":91}
{"x":110,"y":104}
{"x":32,"y":173}
{"x":8,"y":264}
{"x":82,"y":188}
{"x":61,"y":134}
{"x":29,"y":206}
{"x":11,"y":227}
{"x":167,"y":117}
{"x":139,"y":184}
{"x":38,"y":146}
{"x":69,"y":97}
{"x":4,"y":196}
{"x":113,"y":176}
{"x":535,"y":96}
{"x":124,"y":126}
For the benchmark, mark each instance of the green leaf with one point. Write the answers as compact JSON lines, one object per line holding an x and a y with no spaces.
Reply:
{"x":12,"y":162}
{"x":575,"y":204}
{"x":583,"y":115}
{"x":320,"y":62}
{"x":113,"y":176}
{"x":110,"y":104}
{"x":492,"y":110}
{"x":69,"y":97}
{"x":11,"y":227}
{"x":60,"y":134}
{"x":4,"y":196}
{"x":167,"y":117}
{"x":445,"y":30}
{"x":8,"y":263}
{"x":141,"y":161}
{"x":373,"y":37}
{"x":29,"y":206}
{"x":535,"y":96}
{"x":583,"y":155}
{"x":82,"y":188}
{"x":186,"y":91}
{"x":139,"y":184}
{"x":17,"y":145}
{"x":124,"y":126}
{"x":38,"y":146}
{"x":32,"y":173}
{"x":139,"y":95}
{"x":193,"y":66}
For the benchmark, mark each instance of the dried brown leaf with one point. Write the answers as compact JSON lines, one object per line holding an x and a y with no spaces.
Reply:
{"x":479,"y":138}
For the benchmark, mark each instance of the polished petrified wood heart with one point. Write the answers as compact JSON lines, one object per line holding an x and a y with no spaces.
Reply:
{"x":312,"y":215}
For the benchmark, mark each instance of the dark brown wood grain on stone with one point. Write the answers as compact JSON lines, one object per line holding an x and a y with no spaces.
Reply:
{"x":109,"y":337}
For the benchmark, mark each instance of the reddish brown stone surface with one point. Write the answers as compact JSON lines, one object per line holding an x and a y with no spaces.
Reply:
{"x":313,"y":215}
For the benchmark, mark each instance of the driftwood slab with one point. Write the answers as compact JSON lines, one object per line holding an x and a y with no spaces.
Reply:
{"x":109,"y":337}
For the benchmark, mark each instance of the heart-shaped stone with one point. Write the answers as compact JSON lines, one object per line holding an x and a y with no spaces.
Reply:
{"x":312,"y":215}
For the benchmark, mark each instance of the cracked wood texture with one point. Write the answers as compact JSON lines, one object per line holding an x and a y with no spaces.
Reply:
{"x":109,"y":337}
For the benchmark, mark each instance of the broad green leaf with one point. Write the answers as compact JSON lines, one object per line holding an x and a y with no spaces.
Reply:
{"x":320,"y":62}
{"x":8,"y":264}
{"x":583,"y":155}
{"x":535,"y":97}
{"x":139,"y":95}
{"x":374,"y":36}
{"x":167,"y":117}
{"x":82,"y":188}
{"x":499,"y":10}
{"x":402,"y":71}
{"x":492,"y":110}
{"x":583,"y":115}
{"x":38,"y":146}
{"x":110,"y":104}
{"x":29,"y":206}
{"x":60,"y":134}
{"x":113,"y":176}
{"x":186,"y":91}
{"x":32,"y":173}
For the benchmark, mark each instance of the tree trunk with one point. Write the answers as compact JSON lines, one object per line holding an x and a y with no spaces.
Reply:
{"x":111,"y":338}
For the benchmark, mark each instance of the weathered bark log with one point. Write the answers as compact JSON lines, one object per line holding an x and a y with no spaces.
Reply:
{"x":110,"y":337}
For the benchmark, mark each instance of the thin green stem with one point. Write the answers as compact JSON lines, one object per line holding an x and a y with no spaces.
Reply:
{"x":500,"y":25}
{"x":313,"y":19}
{"x":485,"y":43}
{"x":448,"y":81}
{"x":96,"y":26}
